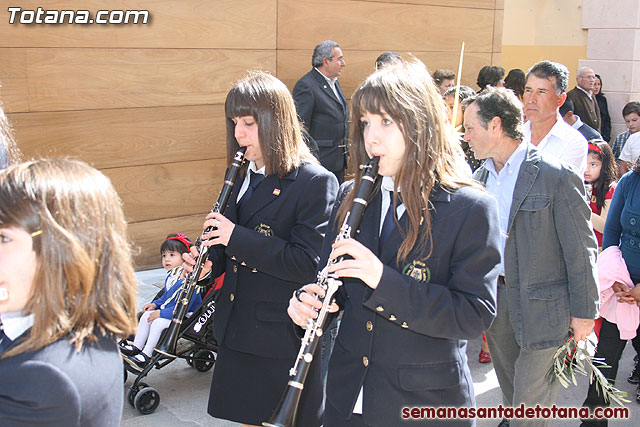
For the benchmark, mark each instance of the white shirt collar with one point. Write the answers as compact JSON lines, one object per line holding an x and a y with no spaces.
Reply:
{"x":253,"y":168}
{"x":514,"y":159}
{"x":556,"y":130}
{"x":387,"y":183}
{"x":578,"y":122}
{"x":15,"y":324}
{"x":589,"y":94}
{"x":332,"y":82}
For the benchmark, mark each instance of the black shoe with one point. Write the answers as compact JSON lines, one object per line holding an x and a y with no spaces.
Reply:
{"x":504,"y":423}
{"x":129,"y":349}
{"x":634,"y":378}
{"x":137,"y":363}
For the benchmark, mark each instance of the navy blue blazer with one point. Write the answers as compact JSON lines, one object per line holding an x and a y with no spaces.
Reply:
{"x":57,"y":386}
{"x":405,"y":341}
{"x":325,"y":117}
{"x":588,"y":132}
{"x":274,"y":249}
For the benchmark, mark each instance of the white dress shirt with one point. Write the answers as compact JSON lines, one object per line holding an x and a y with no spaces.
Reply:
{"x":331,"y":82}
{"x":564,"y":143}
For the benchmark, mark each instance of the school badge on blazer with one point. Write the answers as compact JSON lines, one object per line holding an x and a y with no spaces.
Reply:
{"x":418,"y":270}
{"x":264,"y":229}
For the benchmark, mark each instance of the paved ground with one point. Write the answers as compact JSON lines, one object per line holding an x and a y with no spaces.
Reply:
{"x":184,"y":391}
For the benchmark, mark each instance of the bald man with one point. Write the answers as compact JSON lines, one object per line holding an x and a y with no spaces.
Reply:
{"x":584,"y":100}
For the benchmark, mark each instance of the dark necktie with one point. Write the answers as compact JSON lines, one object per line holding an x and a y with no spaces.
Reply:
{"x":4,"y":341}
{"x":254,"y":180}
{"x":389,"y":223}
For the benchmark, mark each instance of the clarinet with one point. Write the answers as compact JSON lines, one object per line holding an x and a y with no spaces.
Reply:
{"x":285,"y":413}
{"x":168,"y":346}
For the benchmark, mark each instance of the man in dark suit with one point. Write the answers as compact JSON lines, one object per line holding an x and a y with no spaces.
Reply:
{"x":322,"y":108}
{"x":573,"y":120}
{"x":547,"y":280}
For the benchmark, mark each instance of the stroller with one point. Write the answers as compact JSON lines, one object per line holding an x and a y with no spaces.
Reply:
{"x":192,"y":341}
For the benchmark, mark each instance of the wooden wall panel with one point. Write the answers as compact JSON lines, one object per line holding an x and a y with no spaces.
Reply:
{"x":380,"y":26}
{"x":173,"y":24}
{"x":80,"y":79}
{"x":14,"y":90}
{"x":474,"y":4}
{"x":168,"y":190}
{"x":143,"y":103}
{"x":149,"y":235}
{"x":291,"y":66}
{"x":109,"y":138}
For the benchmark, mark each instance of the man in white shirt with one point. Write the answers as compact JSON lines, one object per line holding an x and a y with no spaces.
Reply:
{"x":544,"y":93}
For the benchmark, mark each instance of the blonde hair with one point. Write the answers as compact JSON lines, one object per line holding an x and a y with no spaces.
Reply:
{"x":84,"y":284}
{"x":406,"y":93}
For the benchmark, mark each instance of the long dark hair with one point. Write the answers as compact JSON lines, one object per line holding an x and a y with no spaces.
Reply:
{"x":406,"y":92}
{"x":608,"y":172}
{"x":270,"y":103}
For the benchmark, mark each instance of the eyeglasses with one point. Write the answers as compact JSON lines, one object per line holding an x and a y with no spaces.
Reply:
{"x":36,"y":233}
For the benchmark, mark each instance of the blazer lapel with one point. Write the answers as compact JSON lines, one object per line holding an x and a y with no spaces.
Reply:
{"x":526,"y":177}
{"x":371,"y":223}
{"x":232,"y":209}
{"x":327,"y":89}
{"x":268,"y":191}
{"x":343,"y":100}
{"x":262,"y":196}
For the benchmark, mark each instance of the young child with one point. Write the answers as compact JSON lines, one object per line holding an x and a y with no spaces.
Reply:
{"x":171,"y":251}
{"x":601,"y":175}
{"x":631,"y":115}
{"x":156,"y":315}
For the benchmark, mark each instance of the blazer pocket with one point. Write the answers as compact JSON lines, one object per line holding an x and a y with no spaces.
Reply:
{"x":535,"y":202}
{"x":548,"y":309}
{"x":429,"y":377}
{"x":272,"y":312}
{"x":547,"y":291}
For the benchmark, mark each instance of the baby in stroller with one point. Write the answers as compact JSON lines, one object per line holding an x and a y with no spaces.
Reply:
{"x":156,"y":315}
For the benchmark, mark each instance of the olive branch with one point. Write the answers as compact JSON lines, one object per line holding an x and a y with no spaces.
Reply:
{"x":571,"y":358}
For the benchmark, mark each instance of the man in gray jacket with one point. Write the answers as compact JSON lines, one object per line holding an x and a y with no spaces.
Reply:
{"x":547,"y":284}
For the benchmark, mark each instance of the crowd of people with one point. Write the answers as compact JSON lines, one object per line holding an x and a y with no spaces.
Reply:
{"x":489,"y":213}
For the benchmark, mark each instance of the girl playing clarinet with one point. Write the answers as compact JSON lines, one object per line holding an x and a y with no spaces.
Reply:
{"x":420,"y":276}
{"x":268,"y":244}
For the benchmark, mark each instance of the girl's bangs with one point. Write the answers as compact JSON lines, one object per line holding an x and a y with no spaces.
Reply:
{"x":374,"y":100}
{"x":240,"y":103}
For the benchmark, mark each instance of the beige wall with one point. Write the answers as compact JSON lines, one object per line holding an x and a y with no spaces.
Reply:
{"x":144,"y":103}
{"x":544,"y":29}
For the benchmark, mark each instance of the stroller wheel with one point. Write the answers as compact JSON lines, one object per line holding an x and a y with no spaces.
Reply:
{"x":147,"y":400}
{"x":131,"y":393}
{"x":189,"y":358}
{"x":204,"y":365}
